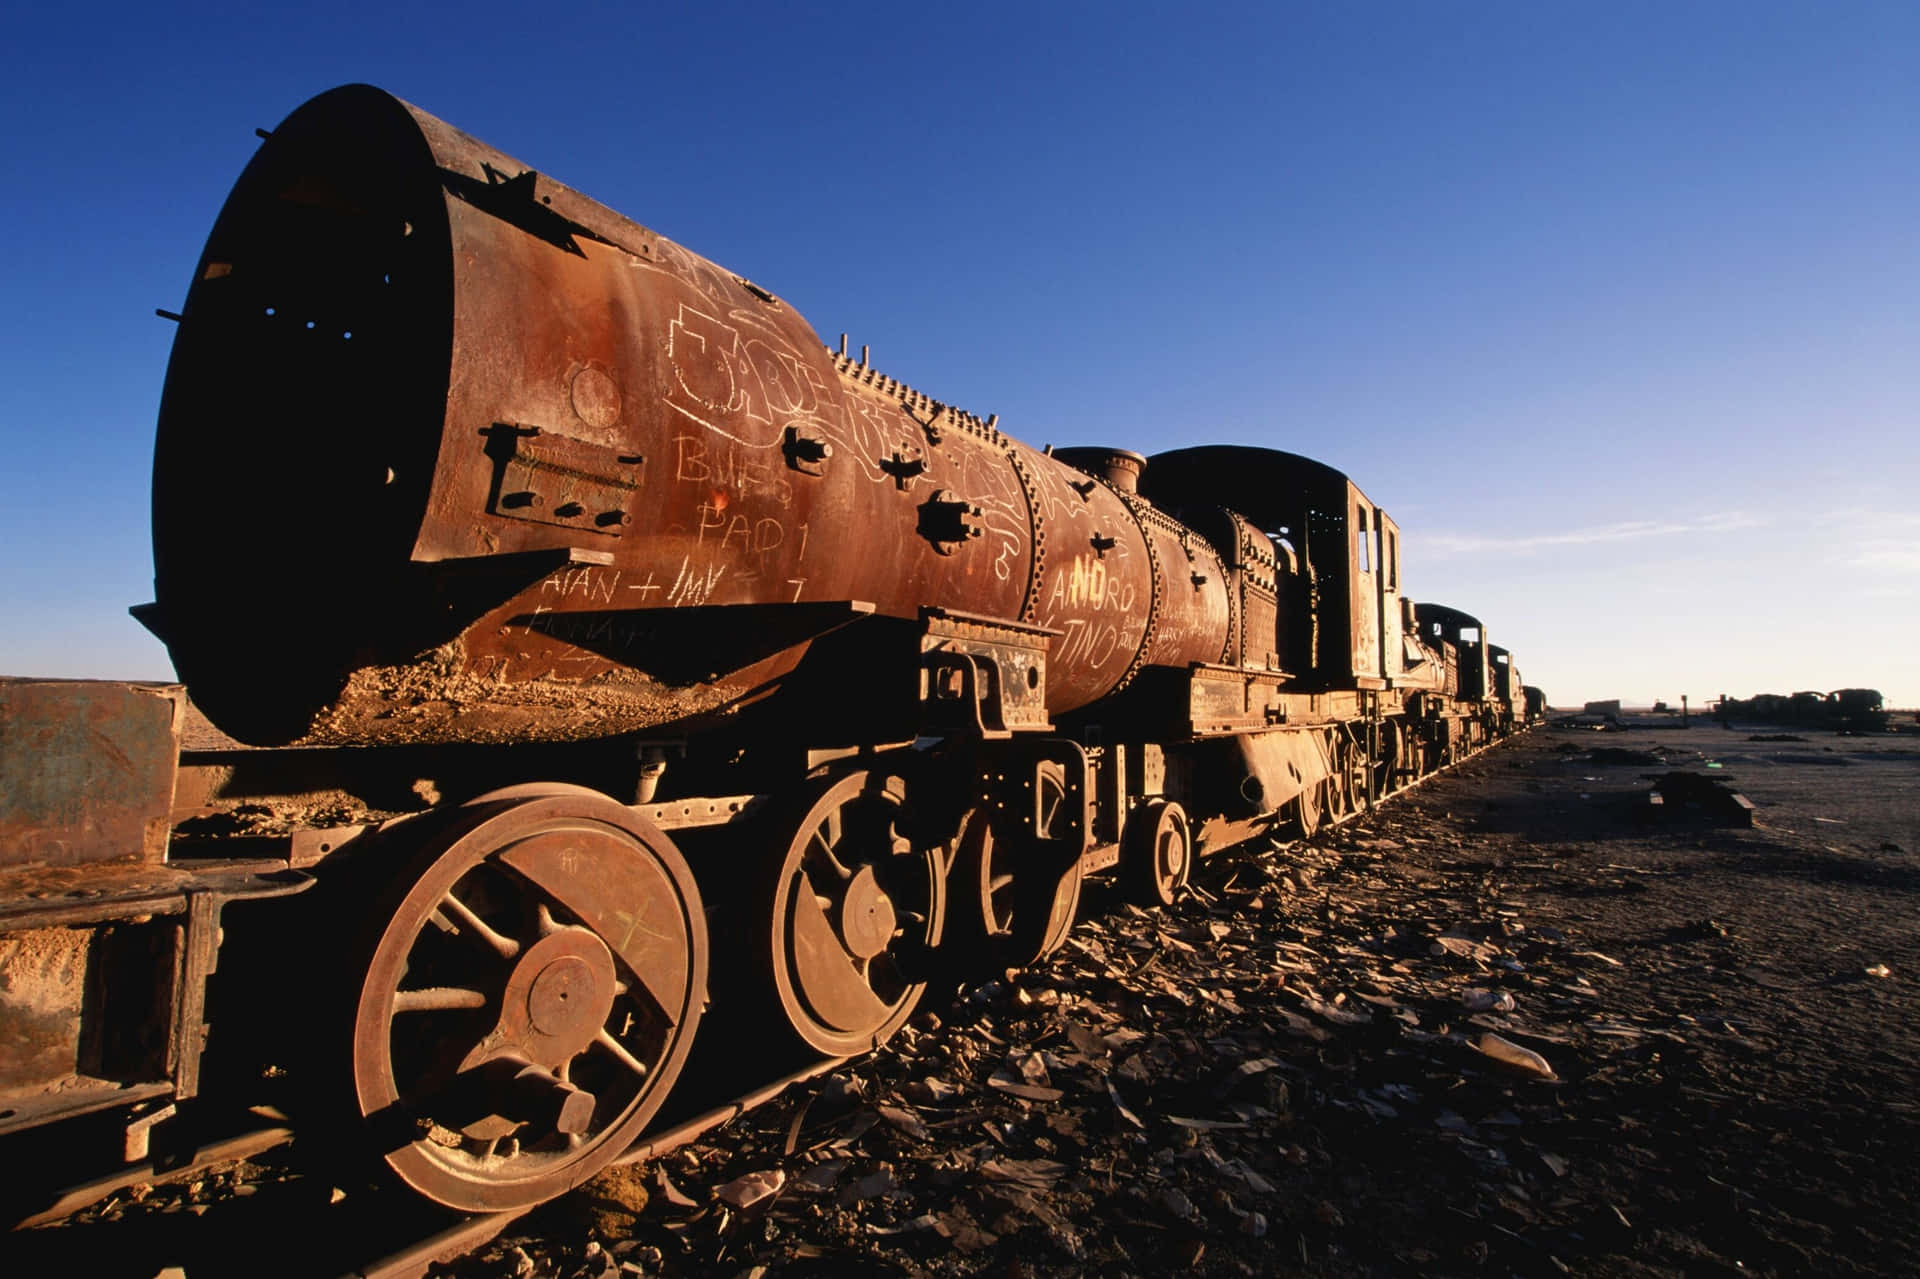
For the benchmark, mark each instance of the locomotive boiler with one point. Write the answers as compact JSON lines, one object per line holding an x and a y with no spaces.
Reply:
{"x":449,"y":452}
{"x":633,"y":671}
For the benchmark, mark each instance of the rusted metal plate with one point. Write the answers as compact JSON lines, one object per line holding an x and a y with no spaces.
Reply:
{"x":84,"y":1015}
{"x":1284,"y":764}
{"x":102,"y":976}
{"x":43,"y":977}
{"x":86,"y":770}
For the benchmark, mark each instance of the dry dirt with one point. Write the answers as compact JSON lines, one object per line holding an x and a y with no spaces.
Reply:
{"x":1283,"y":1073}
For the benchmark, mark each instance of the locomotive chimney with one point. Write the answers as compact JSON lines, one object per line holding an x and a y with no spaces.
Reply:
{"x":1120,"y":468}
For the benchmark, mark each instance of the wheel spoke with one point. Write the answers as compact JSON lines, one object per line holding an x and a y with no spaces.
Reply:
{"x":501,"y":944}
{"x":619,"y":1050}
{"x":437,"y":999}
{"x":826,"y":850}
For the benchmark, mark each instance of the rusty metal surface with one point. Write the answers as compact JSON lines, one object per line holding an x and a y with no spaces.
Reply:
{"x":529,"y":1000}
{"x":61,"y":896}
{"x":611,"y":479}
{"x":43,"y":976}
{"x":103,"y":973}
{"x":86,"y":770}
{"x":630,"y":444}
{"x":1339,"y":615}
{"x":1464,"y":642}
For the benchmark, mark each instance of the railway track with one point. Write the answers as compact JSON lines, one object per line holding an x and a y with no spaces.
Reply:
{"x":173,"y":1219}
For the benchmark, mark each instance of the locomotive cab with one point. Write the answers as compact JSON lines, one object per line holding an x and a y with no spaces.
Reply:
{"x":1508,"y":692}
{"x":1462,"y":642}
{"x":1340,"y":618}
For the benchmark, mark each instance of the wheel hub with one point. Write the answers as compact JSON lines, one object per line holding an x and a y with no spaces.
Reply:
{"x":867,"y":919}
{"x":553,"y":990}
{"x":1173,"y":854}
{"x":558,"y":997}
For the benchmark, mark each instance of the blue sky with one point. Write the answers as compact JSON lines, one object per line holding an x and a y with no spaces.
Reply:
{"x":1615,"y":307}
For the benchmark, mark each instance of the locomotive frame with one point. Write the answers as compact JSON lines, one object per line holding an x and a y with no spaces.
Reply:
{"x":683,"y":682}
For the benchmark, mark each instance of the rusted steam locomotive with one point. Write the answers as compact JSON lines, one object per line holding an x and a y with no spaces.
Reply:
{"x":606,"y":647}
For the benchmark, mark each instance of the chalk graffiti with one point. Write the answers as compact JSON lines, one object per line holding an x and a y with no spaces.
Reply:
{"x":744,"y":388}
{"x":694,"y":586}
{"x":1084,"y":582}
{"x":695,"y":462}
{"x":587,"y":583}
{"x":738,"y":531}
{"x":1091,"y":644}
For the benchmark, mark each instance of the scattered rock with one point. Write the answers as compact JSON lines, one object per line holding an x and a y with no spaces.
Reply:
{"x":1508,"y":1053}
{"x":611,"y":1202}
{"x":744,"y":1192}
{"x":1480,"y":1001}
{"x":1335,"y":1060}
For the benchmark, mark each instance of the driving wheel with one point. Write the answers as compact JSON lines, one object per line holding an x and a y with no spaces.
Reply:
{"x":1303,"y":811}
{"x":854,"y":915}
{"x":1348,"y":785}
{"x":1019,"y":900}
{"x":1156,"y":853}
{"x":1391,"y":768}
{"x":529,"y":999}
{"x":1338,"y":790}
